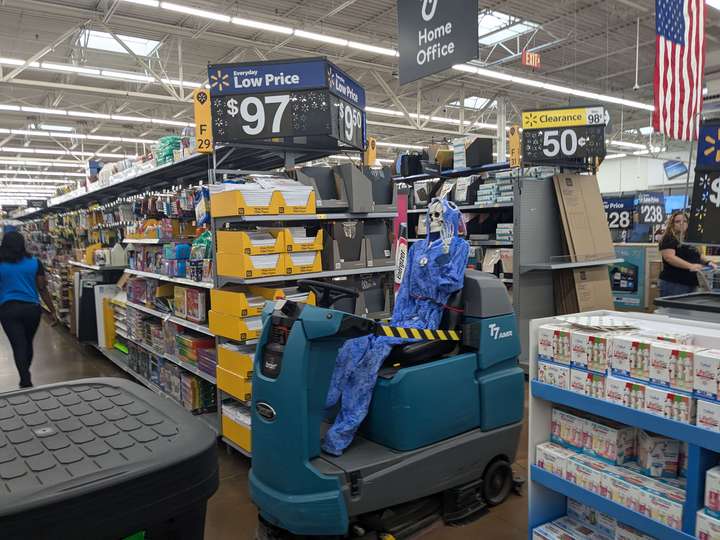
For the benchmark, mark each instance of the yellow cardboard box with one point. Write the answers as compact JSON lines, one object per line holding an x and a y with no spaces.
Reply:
{"x":234,"y":384}
{"x":234,"y":299}
{"x":249,"y":266}
{"x":237,"y":433}
{"x":237,"y":362}
{"x":240,"y":242}
{"x":231,"y":327}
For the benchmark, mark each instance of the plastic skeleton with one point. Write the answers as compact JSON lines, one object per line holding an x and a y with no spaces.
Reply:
{"x":435,"y":269}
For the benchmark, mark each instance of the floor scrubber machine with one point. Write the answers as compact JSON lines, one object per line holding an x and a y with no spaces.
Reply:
{"x":442,"y":429}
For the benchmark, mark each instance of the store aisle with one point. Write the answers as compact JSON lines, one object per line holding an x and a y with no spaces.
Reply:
{"x":231,"y":515}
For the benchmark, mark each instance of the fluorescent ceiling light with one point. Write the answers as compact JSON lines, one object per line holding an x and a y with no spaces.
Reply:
{"x":51,"y":152}
{"x":262,"y":26}
{"x":43,"y":173}
{"x":372,"y":48}
{"x":126,"y":76}
{"x":83,"y":114}
{"x":149,"y":3}
{"x":472,"y":102}
{"x":379,"y":110}
{"x":164,"y":122}
{"x":70,"y":68}
{"x":385,"y":160}
{"x":11,"y":62}
{"x":43,"y":110}
{"x":321,"y":37}
{"x":28,"y":132}
{"x":56,"y":127}
{"x":14,"y":108}
{"x":496,"y":26}
{"x":552,"y":87}
{"x":186,"y":84}
{"x":40,"y":163}
{"x":615,"y":156}
{"x":121,"y":118}
{"x":400,"y":145}
{"x":437,"y":119}
{"x":104,"y":41}
{"x":194,"y":11}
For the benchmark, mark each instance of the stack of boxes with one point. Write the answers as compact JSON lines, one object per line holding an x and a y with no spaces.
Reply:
{"x":633,"y":468}
{"x":584,"y":522}
{"x":497,"y":191}
{"x":660,"y":373}
{"x":269,"y":252}
{"x":504,"y":232}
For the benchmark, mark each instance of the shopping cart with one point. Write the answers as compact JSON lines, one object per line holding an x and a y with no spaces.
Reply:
{"x":709,"y":279}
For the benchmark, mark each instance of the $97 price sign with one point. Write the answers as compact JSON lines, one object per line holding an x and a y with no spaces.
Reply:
{"x":250,"y":117}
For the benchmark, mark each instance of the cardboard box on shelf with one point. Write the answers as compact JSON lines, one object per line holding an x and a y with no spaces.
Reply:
{"x":587,"y":383}
{"x":549,"y":531}
{"x":712,"y":491}
{"x":611,"y":442}
{"x":706,"y":373}
{"x":552,"y":457}
{"x":624,"y":392}
{"x":706,"y":526}
{"x":708,"y":415}
{"x":630,"y":356}
{"x":578,"y":529}
{"x":657,"y":455}
{"x":588,"y":473}
{"x":243,"y":301}
{"x":672,"y":365}
{"x":554,"y":374}
{"x":249,"y":266}
{"x":601,"y":522}
{"x":568,"y":430}
{"x":626,"y":532}
{"x":670,"y":404}
{"x":554,"y":343}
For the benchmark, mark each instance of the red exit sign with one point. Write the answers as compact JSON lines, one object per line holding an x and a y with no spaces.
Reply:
{"x":531,"y":59}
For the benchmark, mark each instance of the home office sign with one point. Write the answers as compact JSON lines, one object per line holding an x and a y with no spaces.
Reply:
{"x":435,"y":35}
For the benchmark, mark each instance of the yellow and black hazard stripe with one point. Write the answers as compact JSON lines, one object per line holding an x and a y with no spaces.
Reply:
{"x":419,"y":333}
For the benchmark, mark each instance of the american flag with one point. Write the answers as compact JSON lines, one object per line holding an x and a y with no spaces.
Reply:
{"x":679,"y":67}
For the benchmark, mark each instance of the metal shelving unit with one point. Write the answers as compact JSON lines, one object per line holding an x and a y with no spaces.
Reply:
{"x":172,"y":318}
{"x":154,"y":240}
{"x":228,"y":280}
{"x":468,"y":208}
{"x":95,"y":267}
{"x":162,"y":277}
{"x":220,"y":222}
{"x":119,"y":359}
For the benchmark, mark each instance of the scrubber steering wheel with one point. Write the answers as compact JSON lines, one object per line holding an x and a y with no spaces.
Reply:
{"x":327,"y":293}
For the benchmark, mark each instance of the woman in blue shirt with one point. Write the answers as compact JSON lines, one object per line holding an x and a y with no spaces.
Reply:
{"x":22,"y":284}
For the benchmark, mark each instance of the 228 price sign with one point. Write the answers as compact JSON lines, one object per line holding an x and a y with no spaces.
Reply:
{"x":619,"y":212}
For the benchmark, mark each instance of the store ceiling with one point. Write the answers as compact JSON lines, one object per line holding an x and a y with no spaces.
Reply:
{"x":587,"y":45}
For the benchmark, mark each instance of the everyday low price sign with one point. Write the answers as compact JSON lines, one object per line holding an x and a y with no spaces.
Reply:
{"x":434,"y":35}
{"x":562,"y":135}
{"x":287,"y":99}
{"x":651,"y":208}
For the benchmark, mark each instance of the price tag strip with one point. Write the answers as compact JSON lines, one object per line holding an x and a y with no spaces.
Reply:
{"x":274,"y":100}
{"x":563,"y":135}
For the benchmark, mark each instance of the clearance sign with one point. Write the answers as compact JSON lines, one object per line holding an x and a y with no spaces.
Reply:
{"x":557,"y":118}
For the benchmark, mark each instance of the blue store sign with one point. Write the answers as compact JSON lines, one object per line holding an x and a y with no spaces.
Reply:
{"x":308,"y":102}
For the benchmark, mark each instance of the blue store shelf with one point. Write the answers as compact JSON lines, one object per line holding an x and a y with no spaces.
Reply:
{"x":619,"y":512}
{"x":631,"y":417}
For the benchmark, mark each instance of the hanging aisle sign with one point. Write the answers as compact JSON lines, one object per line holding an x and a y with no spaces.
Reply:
{"x":203,"y":121}
{"x":704,"y":225}
{"x":304,"y":101}
{"x":434,"y":35}
{"x":564,"y":135}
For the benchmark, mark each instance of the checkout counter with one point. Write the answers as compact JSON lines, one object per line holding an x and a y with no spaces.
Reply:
{"x":699,"y":306}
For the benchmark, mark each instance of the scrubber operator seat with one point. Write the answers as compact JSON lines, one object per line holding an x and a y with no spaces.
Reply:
{"x":417,"y":352}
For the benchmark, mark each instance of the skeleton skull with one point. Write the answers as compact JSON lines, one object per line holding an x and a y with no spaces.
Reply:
{"x":435,"y":213}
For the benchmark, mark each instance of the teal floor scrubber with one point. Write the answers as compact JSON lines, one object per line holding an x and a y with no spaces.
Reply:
{"x":438,"y":441}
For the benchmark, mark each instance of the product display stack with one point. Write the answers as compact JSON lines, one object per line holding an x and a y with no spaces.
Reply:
{"x":270,"y":234}
{"x":624,"y":418}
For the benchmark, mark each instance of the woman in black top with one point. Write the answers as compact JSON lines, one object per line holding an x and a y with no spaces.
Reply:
{"x":681,"y":262}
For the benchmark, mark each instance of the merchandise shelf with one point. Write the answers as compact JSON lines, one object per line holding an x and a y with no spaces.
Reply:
{"x":120,"y":360}
{"x":220,"y":221}
{"x":161,"y":277}
{"x":294,"y":277}
{"x":467,"y":207}
{"x":95,"y":266}
{"x":154,"y":240}
{"x":236,"y":447}
{"x":547,"y":492}
{"x":172,"y":318}
{"x":568,"y":265}
{"x":185,"y":365}
{"x":625,"y":415}
{"x":621,"y":513}
{"x":455,"y":173}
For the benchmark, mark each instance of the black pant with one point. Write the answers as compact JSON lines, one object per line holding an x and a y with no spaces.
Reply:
{"x":20,"y":321}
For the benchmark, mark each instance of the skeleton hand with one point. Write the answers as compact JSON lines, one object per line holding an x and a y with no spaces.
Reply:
{"x":447,"y":232}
